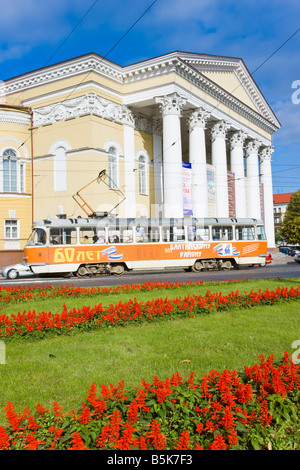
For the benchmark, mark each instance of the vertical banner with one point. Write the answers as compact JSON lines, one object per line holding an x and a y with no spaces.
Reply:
{"x":211,"y":185}
{"x":211,"y":188}
{"x":187,"y":188}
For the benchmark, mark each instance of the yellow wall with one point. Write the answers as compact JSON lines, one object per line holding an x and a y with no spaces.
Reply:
{"x":11,"y":137}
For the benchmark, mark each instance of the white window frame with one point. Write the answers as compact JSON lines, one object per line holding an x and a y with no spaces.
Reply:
{"x":143,"y":172}
{"x":113,"y":168}
{"x":112,"y":144}
{"x":143,"y":175}
{"x":11,"y":155}
{"x":6,"y":225}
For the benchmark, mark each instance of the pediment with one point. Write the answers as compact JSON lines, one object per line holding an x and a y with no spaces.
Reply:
{"x":232,"y":75}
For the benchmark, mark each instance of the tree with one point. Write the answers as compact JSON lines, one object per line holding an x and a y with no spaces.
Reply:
{"x":290,"y":228}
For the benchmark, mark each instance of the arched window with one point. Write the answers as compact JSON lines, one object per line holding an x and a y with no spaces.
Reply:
{"x":143,"y":187}
{"x":13,"y":172}
{"x":113,"y":168}
{"x":59,"y":151}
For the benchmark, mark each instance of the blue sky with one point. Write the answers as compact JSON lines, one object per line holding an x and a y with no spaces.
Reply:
{"x":37,"y":33}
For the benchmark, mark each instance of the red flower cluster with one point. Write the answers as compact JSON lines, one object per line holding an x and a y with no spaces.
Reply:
{"x":19,"y":293}
{"x":215,"y":412}
{"x":39,"y":323}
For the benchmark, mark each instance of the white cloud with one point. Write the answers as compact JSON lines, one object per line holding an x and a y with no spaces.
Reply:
{"x":26,"y":25}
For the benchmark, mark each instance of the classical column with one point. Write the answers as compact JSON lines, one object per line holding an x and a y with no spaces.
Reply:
{"x":158,"y":166}
{"x":266,"y":178}
{"x":171,"y":106}
{"x":129,"y":163}
{"x":252,"y":173}
{"x":237,"y":140}
{"x":197,"y":154}
{"x":219,"y":160}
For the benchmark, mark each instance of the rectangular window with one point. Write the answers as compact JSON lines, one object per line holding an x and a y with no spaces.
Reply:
{"x":113,"y":171}
{"x":147,"y":234}
{"x":173,"y":234}
{"x":142,"y":176}
{"x":11,"y":228}
{"x":120,"y":235}
{"x":244,"y":233}
{"x":222,"y":232}
{"x":22,"y":178}
{"x":261,"y":234}
{"x":10,"y":175}
{"x":63,"y":236}
{"x":196,"y":233}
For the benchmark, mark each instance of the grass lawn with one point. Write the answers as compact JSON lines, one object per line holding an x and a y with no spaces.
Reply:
{"x":228,"y":340}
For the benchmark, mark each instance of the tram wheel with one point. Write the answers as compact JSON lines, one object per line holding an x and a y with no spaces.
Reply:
{"x":197,"y":266}
{"x":81,"y":271}
{"x":118,"y":270}
{"x":226,"y":265}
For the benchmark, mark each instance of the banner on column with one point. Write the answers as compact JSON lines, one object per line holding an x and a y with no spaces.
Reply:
{"x":211,"y":188}
{"x":187,"y":188}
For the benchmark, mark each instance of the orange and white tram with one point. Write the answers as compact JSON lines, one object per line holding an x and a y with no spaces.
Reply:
{"x":92,"y":246}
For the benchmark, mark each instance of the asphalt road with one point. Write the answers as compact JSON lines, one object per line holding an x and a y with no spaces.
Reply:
{"x":287,"y":270}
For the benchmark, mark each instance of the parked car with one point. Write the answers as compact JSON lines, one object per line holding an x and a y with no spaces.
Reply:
{"x":16,"y":270}
{"x":297,"y":258}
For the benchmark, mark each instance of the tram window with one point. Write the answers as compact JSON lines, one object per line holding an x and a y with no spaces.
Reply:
{"x":91,"y":235}
{"x":117,"y":235}
{"x":63,"y":236}
{"x":38,"y":237}
{"x":120,"y":235}
{"x":86,"y":235}
{"x":198,"y":233}
{"x":244,"y":233}
{"x":114,"y":235}
{"x":173,"y":234}
{"x":222,"y":233}
{"x":147,"y":234}
{"x":126,"y":235}
{"x":261,"y":234}
{"x":191,"y":233}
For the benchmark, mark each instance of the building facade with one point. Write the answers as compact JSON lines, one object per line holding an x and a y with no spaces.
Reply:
{"x":280,"y":203}
{"x":179,"y":135}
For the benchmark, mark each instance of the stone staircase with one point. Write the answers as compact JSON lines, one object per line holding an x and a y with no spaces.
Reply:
{"x":281,"y":258}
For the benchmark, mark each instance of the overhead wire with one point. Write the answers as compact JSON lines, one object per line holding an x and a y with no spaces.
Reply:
{"x":104,"y":57}
{"x":116,"y":44}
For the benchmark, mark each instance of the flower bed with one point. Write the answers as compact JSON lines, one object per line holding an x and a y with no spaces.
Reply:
{"x":20,"y":293}
{"x":220,"y":411}
{"x":38,"y":324}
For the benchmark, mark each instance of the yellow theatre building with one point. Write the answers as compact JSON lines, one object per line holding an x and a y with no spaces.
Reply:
{"x":180,"y":135}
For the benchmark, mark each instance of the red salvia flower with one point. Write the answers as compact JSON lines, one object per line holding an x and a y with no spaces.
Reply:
{"x":77,"y":443}
{"x":4,"y":439}
{"x":184,"y":441}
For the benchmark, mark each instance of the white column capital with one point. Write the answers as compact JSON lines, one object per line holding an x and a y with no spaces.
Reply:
{"x":265,"y":154}
{"x":252,"y":146}
{"x":219,"y":129}
{"x":237,"y":139}
{"x":198,"y":118}
{"x":171,"y":104}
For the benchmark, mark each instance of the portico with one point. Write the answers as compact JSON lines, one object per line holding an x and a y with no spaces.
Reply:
{"x":142,"y":123}
{"x":219,"y":143}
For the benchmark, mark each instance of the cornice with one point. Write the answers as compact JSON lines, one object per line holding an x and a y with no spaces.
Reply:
{"x":184,"y":64}
{"x":85,"y":64}
{"x":14,"y":117}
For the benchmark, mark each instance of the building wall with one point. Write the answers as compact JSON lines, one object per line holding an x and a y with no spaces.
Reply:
{"x":16,"y":205}
{"x":79,"y":113}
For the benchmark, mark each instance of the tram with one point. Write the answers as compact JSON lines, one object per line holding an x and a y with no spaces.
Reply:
{"x":112,"y":246}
